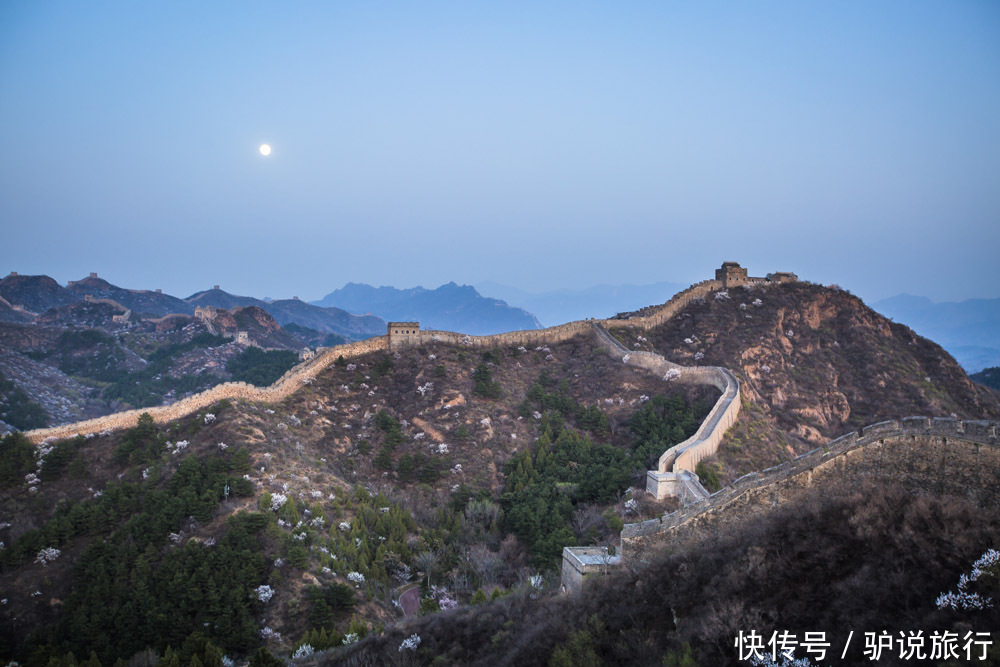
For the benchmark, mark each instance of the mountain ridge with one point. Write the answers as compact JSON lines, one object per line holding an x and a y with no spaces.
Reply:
{"x":449,"y":307}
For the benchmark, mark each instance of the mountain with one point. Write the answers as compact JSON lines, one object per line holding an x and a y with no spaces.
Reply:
{"x":141,"y":302}
{"x":567,"y":305}
{"x":35,"y":293}
{"x":988,"y":377}
{"x":310,"y":519}
{"x":969,"y":329}
{"x":450,"y":307}
{"x":814,"y":362}
{"x":294,"y":311}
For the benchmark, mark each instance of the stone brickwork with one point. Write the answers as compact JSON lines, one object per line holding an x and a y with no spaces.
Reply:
{"x":669,"y":478}
{"x":284,"y":387}
{"x":937,"y":455}
{"x":580,"y":562}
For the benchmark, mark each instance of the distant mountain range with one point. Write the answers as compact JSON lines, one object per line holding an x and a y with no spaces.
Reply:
{"x":554,"y":307}
{"x":969,"y":330}
{"x":27,"y":296}
{"x":450,"y":307}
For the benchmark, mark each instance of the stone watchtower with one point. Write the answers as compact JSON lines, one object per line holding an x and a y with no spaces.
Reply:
{"x":402,"y":333}
{"x":731,"y":275}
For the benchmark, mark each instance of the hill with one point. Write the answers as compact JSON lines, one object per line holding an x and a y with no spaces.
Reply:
{"x":35,"y":293}
{"x":143,"y":302}
{"x":375,"y":463}
{"x":431,"y":477}
{"x":814,"y":362}
{"x":988,"y":377}
{"x":294,"y":311}
{"x":449,"y":307}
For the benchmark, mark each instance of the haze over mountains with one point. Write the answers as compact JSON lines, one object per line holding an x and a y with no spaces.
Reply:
{"x":450,"y":307}
{"x":558,"y":306}
{"x":969,"y":330}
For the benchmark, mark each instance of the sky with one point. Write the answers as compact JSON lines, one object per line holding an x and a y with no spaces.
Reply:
{"x":538,"y":145}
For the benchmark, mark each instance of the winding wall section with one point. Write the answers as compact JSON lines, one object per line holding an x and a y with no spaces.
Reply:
{"x":307,"y":370}
{"x":937,"y":455}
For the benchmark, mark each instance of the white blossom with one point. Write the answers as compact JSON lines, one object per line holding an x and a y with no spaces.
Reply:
{"x":223,"y":446}
{"x":351,"y":637}
{"x":303,"y":651}
{"x":344,"y":526}
{"x":209,"y":418}
{"x":356,"y":577}
{"x":47,"y":555}
{"x":672,"y":375}
{"x":442,"y":448}
{"x":410,"y":643}
{"x":278,"y":500}
{"x":264,"y":592}
{"x":963,"y":599}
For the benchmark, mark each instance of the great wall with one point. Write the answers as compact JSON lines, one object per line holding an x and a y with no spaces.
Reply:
{"x":939,"y":455}
{"x":946,"y":454}
{"x":310,"y":368}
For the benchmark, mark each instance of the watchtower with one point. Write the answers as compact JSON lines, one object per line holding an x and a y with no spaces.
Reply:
{"x":731,"y":275}
{"x":402,"y":333}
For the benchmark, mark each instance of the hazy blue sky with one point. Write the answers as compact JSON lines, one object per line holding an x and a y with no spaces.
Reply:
{"x":538,"y":146}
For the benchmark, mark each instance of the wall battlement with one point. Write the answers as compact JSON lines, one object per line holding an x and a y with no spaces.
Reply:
{"x":646,"y":319}
{"x":946,"y":454}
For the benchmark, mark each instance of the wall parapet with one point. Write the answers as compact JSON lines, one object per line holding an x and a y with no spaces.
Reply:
{"x":836,"y":452}
{"x":667,"y":479}
{"x":649,"y":318}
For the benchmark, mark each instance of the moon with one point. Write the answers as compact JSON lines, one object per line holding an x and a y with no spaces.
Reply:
{"x":265,"y":149}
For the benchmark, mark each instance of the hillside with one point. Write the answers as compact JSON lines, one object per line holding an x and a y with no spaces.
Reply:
{"x":437,"y":435}
{"x":449,"y":307}
{"x":143,"y":302}
{"x":988,"y":377}
{"x":814,"y":362}
{"x":35,"y":293}
{"x":410,"y":480}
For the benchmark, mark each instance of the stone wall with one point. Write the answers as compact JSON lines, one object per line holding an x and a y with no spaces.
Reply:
{"x":938,"y":455}
{"x":649,"y":318}
{"x":667,"y":479}
{"x":284,"y":387}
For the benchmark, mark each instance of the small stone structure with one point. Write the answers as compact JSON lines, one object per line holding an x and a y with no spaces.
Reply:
{"x":306,"y":354}
{"x":12,"y":274}
{"x":733,"y":275}
{"x":580,"y":562}
{"x":243,"y":338}
{"x":402,"y":334}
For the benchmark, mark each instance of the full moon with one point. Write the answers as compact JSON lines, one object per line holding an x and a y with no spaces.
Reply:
{"x":265,"y":149}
